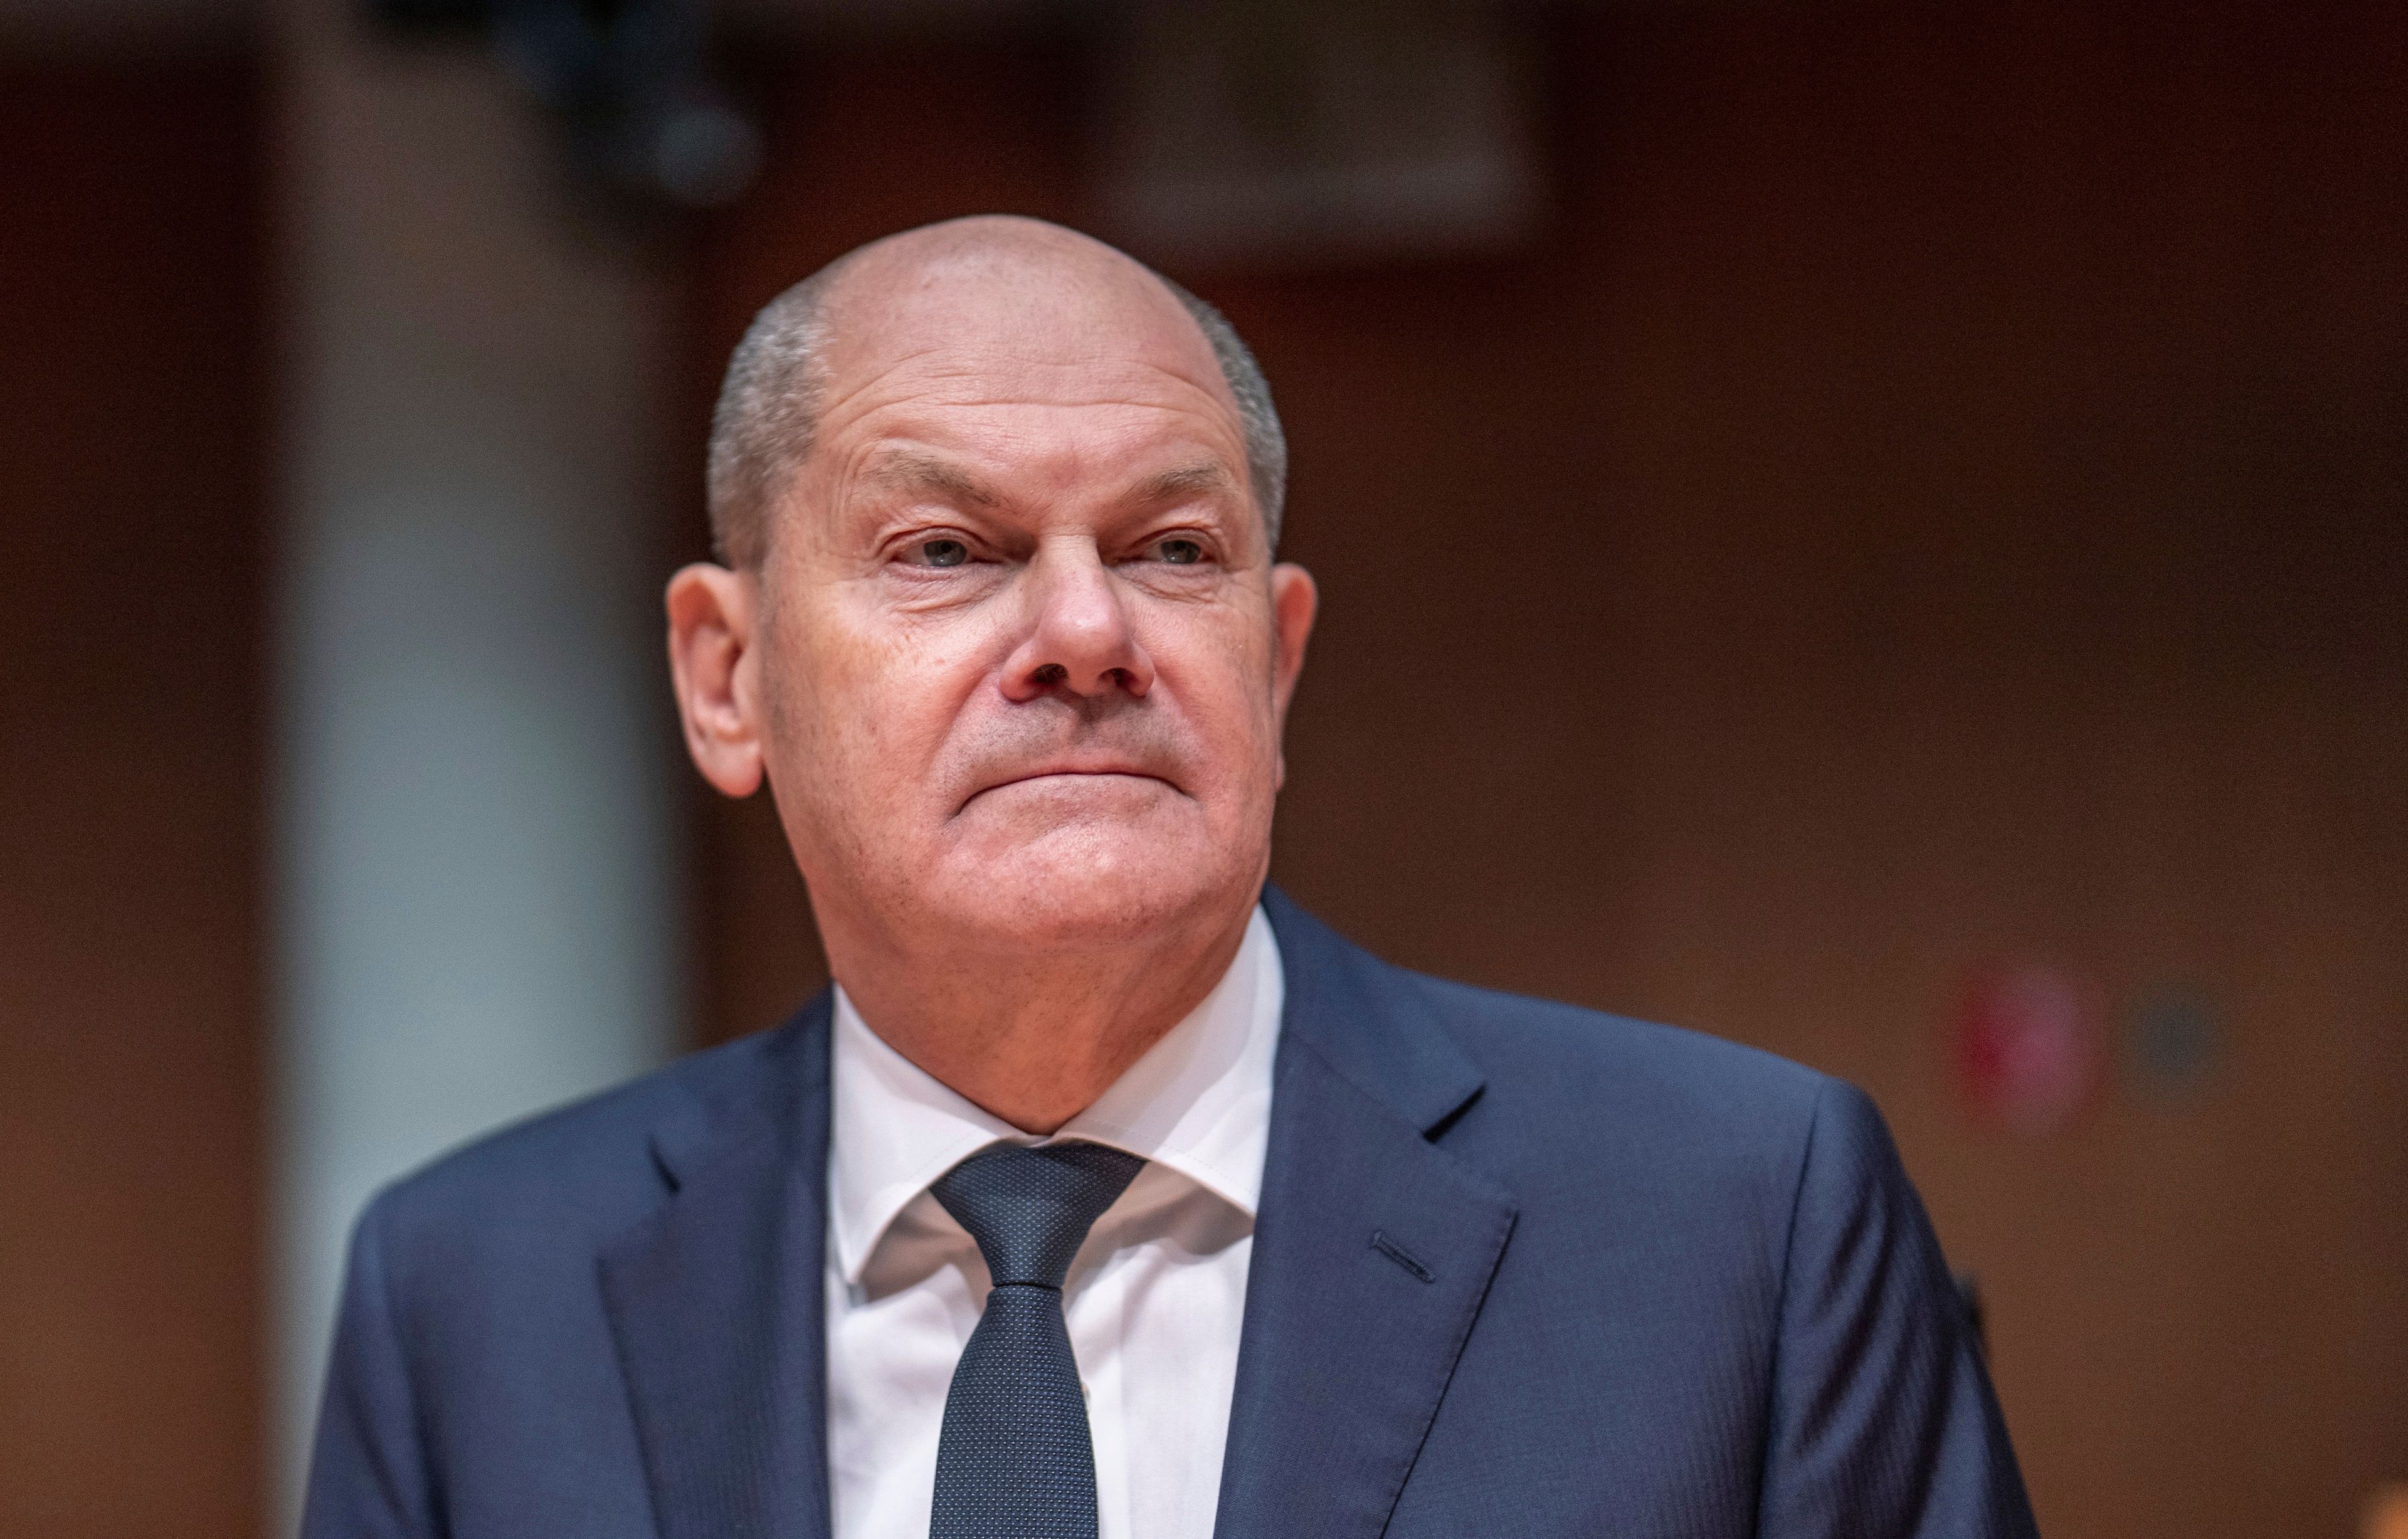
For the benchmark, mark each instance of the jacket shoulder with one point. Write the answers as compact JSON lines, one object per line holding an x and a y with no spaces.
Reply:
{"x":1602,"y":1059}
{"x":1553,"y":1065}
{"x":594,"y":1165}
{"x":1603,"y":1125}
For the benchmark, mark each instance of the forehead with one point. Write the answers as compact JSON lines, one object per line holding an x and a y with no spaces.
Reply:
{"x":1032,"y":330}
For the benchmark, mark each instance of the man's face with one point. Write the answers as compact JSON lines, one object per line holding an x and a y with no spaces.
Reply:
{"x":1023,"y":657}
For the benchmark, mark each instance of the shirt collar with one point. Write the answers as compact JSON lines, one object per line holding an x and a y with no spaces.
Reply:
{"x":1198,"y":1103}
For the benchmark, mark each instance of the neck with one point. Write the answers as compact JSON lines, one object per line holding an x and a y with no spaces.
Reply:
{"x":1032,"y":1035}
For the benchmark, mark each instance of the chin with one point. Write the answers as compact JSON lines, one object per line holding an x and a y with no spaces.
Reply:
{"x":1083,"y":885}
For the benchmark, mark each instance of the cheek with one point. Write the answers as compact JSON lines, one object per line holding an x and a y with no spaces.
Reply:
{"x":1222,"y":683}
{"x":873,"y":706}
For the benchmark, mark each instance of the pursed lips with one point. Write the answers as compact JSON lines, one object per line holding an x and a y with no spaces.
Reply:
{"x":1065,"y":771}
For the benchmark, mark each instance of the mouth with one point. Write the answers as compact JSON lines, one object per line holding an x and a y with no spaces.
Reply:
{"x":1068,"y":774}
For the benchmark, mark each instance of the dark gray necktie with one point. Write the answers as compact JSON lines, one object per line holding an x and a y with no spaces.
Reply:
{"x":1015,"y":1460}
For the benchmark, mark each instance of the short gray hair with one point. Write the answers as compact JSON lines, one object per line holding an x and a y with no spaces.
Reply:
{"x":768,"y":411}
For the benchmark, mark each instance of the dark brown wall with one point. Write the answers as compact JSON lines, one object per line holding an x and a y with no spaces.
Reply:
{"x":132,"y":475}
{"x":1935,"y":496}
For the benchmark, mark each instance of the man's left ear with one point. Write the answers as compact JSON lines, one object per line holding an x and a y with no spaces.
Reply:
{"x":716,"y":673}
{"x":1294,"y":602}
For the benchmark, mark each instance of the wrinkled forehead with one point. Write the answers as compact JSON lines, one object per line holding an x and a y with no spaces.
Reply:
{"x":1043,"y":318}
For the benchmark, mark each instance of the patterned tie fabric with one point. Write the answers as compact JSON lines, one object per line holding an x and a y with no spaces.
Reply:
{"x":1015,"y":1460}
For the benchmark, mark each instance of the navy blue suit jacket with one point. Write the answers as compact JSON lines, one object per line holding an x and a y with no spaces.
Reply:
{"x":1518,"y":1269}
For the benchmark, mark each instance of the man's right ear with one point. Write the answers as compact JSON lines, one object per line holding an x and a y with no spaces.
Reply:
{"x":717,"y":673}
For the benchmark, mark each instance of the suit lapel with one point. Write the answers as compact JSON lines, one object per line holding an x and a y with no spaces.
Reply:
{"x":716,"y":1305}
{"x":1373,"y":1250}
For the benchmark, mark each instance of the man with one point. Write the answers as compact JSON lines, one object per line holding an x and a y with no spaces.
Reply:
{"x":1109,"y":1194}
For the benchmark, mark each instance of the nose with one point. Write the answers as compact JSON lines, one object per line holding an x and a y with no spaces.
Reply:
{"x":1080,"y":640}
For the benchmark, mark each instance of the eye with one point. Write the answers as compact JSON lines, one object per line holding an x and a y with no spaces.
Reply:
{"x":942,"y":550}
{"x":1178,"y":550}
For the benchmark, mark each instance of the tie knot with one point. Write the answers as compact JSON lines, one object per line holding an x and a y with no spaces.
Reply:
{"x":1030,"y":1209}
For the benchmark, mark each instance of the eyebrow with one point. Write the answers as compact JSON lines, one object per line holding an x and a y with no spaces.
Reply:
{"x":1185,"y":481}
{"x":907,"y":471}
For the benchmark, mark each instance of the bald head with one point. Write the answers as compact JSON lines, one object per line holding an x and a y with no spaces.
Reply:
{"x":988,"y":282}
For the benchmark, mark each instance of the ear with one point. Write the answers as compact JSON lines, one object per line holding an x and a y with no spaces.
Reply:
{"x":1294,"y":600}
{"x":717,"y":673}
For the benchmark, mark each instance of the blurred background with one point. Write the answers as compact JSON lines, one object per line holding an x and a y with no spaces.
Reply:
{"x":1877,"y":530}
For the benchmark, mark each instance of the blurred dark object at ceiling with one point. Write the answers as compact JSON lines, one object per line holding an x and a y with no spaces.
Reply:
{"x":1230,"y":131}
{"x":645,"y":126}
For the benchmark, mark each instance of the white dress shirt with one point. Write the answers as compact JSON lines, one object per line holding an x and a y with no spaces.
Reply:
{"x":1154,"y":1300}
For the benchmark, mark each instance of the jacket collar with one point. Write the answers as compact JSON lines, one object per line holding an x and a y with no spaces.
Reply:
{"x":1371,"y":1021}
